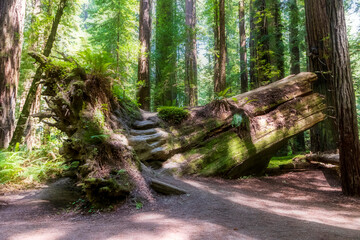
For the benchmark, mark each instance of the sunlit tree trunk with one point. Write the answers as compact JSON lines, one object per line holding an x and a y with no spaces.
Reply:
{"x":191,"y":55}
{"x":243,"y":57}
{"x":23,"y":119}
{"x":220,"y":82}
{"x":143,"y":93}
{"x":216,"y":43}
{"x":324,"y":135}
{"x":346,"y":116}
{"x":12,"y":13}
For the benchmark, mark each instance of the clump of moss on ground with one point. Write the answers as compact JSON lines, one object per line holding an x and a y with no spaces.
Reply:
{"x":174,"y":115}
{"x":277,"y":161}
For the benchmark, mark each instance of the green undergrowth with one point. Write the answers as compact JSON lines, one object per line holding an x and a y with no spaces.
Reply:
{"x":172,"y":114}
{"x":130,"y":106}
{"x":23,"y":168}
{"x":277,"y":161}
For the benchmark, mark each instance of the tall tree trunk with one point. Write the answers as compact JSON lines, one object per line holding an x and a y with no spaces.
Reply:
{"x":262,"y":43}
{"x":191,"y":55}
{"x":220,"y":82}
{"x":253,"y":78}
{"x":324,"y":135}
{"x":12,"y":14}
{"x":143,"y":93}
{"x":294,"y":42}
{"x":346,"y":116}
{"x":23,"y":119}
{"x":279,"y":51}
{"x":30,"y":131}
{"x":243,"y":57}
{"x":216,"y":43}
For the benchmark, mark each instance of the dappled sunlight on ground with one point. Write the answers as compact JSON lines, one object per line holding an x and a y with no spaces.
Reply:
{"x":303,"y":205}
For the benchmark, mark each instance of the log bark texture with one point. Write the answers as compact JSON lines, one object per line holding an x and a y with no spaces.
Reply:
{"x":324,"y":158}
{"x":238,"y":136}
{"x":12,"y":14}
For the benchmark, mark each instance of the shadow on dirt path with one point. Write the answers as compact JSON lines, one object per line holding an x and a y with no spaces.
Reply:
{"x":300,"y":205}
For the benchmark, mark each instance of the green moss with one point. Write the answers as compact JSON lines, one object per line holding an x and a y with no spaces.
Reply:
{"x":277,"y":161}
{"x":103,"y":192}
{"x":173,"y":115}
{"x":130,"y":107}
{"x":217,"y":156}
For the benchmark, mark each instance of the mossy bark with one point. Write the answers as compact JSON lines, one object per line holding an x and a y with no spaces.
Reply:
{"x":209,"y":144}
{"x":84,"y":107}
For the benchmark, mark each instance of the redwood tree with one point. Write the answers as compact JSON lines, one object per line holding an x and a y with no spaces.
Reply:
{"x":191,"y":55}
{"x":243,"y":57}
{"x":324,"y":135}
{"x":220,"y":80}
{"x":346,"y":116}
{"x":12,"y":13}
{"x":143,"y":93}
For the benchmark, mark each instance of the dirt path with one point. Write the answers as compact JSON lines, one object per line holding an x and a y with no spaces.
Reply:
{"x":303,"y":205}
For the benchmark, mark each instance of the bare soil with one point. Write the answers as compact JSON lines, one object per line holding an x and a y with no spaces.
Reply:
{"x":295,"y":205}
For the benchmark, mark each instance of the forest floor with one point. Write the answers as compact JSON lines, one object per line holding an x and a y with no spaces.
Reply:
{"x":295,"y":205}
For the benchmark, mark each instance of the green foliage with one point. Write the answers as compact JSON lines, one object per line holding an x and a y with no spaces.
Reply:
{"x":222,"y":94}
{"x":237,"y":120}
{"x":139,"y":205}
{"x":26,"y":168}
{"x":96,"y":62}
{"x":130,"y":106}
{"x":277,"y":161}
{"x":173,"y":114}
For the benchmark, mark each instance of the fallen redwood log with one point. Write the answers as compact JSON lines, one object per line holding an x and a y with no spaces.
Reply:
{"x":229,"y":138}
{"x":324,"y":158}
{"x":237,"y":137}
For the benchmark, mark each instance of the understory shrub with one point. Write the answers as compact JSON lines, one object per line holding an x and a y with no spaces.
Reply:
{"x":173,"y":114}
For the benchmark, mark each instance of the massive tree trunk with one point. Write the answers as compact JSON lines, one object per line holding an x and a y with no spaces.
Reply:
{"x":228,"y":138}
{"x":143,"y":93}
{"x":243,"y":58}
{"x":236,"y":137}
{"x":324,"y":136}
{"x":220,"y":83}
{"x":24,"y":116}
{"x":12,"y":14}
{"x":191,"y":95}
{"x":343,"y":88}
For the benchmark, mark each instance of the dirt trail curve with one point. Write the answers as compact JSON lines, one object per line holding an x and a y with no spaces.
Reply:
{"x":303,"y":205}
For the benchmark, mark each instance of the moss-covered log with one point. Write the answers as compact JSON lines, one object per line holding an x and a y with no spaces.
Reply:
{"x":229,"y":137}
{"x":237,"y":136}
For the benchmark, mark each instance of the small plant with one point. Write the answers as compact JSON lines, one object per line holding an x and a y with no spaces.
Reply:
{"x":237,"y":120}
{"x":173,"y":114}
{"x":222,"y":94}
{"x":139,"y":205}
